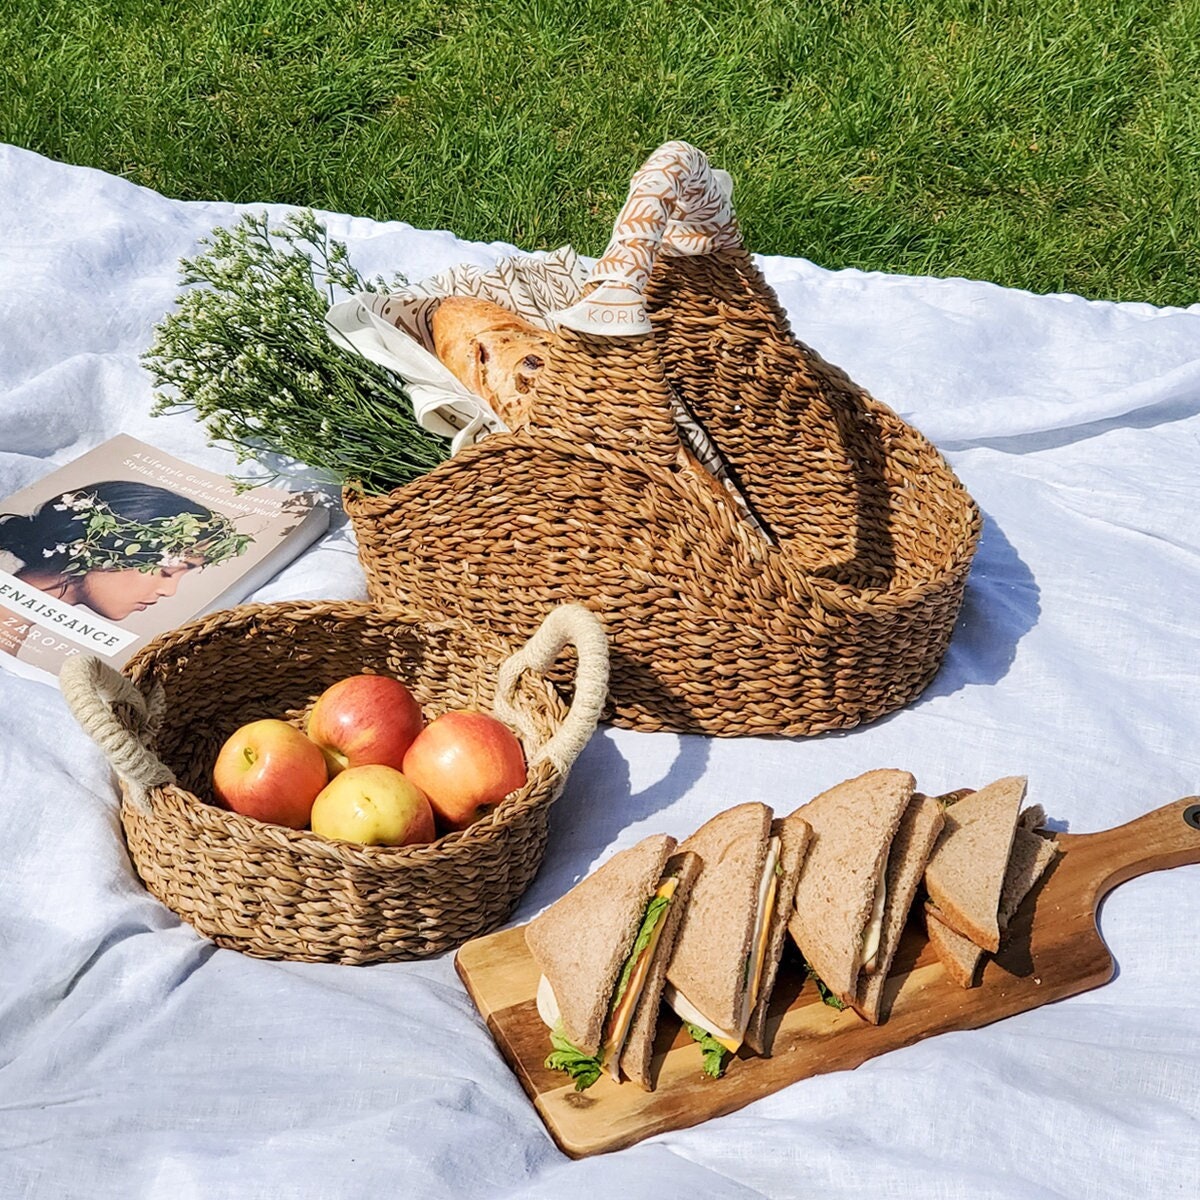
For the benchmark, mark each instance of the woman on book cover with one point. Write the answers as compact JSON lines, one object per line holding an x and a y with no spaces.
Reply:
{"x":117,"y":547}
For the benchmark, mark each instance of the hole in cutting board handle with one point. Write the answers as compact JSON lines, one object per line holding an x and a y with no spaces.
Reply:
{"x":1191,"y":815}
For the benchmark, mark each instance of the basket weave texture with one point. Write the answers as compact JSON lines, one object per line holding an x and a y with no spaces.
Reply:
{"x":842,"y":615}
{"x":280,"y":893}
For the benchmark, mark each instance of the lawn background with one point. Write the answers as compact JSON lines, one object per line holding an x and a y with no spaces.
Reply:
{"x":1045,"y":144}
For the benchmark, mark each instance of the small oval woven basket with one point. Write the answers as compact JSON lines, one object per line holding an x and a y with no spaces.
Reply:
{"x":275,"y":892}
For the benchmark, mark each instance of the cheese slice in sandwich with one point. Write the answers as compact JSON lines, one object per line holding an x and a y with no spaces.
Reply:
{"x":965,"y":873}
{"x":910,"y":849}
{"x":600,"y":949}
{"x":840,"y":908}
{"x":723,"y":967}
{"x":794,"y":834}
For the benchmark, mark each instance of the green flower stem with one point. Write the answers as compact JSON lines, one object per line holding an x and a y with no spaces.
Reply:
{"x":247,"y":350}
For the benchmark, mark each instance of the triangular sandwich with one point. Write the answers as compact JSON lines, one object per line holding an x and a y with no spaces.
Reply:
{"x":597,"y":948}
{"x":1030,"y":857}
{"x":638,"y":1052}
{"x":794,"y":834}
{"x":727,"y":953}
{"x":915,"y":837}
{"x":837,"y":917}
{"x":965,"y":873}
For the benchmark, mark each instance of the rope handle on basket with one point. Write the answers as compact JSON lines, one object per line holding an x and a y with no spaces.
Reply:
{"x":568,"y":624}
{"x":677,"y":204}
{"x":93,"y":690}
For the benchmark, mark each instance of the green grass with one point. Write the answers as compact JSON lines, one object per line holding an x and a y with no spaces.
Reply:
{"x":1045,"y":144}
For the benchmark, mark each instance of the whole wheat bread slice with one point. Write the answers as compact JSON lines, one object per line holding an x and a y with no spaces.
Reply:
{"x":965,"y":872}
{"x":639,"y":1044}
{"x":853,"y":825}
{"x":582,"y":940}
{"x":708,"y":965}
{"x":959,"y":955}
{"x":794,"y":834}
{"x":915,"y":837}
{"x":1032,"y":818}
{"x":1031,"y":855}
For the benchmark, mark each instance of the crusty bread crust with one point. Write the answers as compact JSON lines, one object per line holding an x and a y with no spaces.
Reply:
{"x":965,"y":872}
{"x":915,"y":837}
{"x":794,"y":834}
{"x":853,"y":825}
{"x":1032,"y":818}
{"x":638,"y":1053}
{"x":492,"y":352}
{"x":582,"y":940}
{"x":708,"y":964}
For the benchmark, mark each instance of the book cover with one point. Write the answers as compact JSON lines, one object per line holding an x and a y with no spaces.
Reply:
{"x":126,"y":542}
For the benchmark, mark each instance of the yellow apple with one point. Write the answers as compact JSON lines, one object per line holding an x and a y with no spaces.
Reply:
{"x":374,"y":805}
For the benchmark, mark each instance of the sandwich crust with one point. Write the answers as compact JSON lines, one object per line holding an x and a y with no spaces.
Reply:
{"x":582,"y":940}
{"x":639,"y":1044}
{"x":1031,"y":856}
{"x":853,"y":826}
{"x":915,"y":837}
{"x":965,"y":872}
{"x":708,"y":965}
{"x":794,"y":834}
{"x":959,"y":955}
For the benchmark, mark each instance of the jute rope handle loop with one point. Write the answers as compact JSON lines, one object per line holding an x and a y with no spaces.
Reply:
{"x":568,"y":624}
{"x":93,"y":690}
{"x":677,"y":204}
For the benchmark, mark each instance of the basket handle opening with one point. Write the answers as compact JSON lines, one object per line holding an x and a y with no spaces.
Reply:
{"x":120,"y":720}
{"x":568,"y":624}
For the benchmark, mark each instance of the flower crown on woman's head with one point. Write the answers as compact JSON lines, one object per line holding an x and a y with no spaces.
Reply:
{"x":110,"y":542}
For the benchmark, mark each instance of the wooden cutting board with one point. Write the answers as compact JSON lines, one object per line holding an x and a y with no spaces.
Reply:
{"x":1053,"y":949}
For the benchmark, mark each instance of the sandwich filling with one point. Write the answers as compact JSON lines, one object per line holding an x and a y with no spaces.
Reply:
{"x":731,"y":1039}
{"x":868,"y":958}
{"x":585,"y":1069}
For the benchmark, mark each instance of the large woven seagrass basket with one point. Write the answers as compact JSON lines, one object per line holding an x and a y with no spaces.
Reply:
{"x":823,"y":595}
{"x":275,"y":892}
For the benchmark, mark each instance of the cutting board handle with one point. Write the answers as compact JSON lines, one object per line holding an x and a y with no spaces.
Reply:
{"x":1167,"y":837}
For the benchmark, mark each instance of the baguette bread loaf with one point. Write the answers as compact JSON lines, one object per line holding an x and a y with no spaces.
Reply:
{"x":491,"y":351}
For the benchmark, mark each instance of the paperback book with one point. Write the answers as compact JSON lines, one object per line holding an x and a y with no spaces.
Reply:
{"x":126,"y":542}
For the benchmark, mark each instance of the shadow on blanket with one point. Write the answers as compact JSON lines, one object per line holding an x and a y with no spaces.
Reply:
{"x":1001,"y":605}
{"x":598,"y":804}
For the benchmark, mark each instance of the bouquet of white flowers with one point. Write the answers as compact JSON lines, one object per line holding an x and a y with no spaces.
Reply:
{"x":247,"y":350}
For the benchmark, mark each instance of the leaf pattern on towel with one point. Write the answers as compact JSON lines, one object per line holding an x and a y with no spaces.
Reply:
{"x":675,"y":206}
{"x":532,"y":285}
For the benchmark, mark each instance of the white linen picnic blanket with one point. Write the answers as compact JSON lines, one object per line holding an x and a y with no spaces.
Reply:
{"x":136,"y":1060}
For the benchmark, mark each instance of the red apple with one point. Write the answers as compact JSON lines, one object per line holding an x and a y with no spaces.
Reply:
{"x":365,"y":720}
{"x":466,"y":763}
{"x":269,"y":770}
{"x":374,"y":805}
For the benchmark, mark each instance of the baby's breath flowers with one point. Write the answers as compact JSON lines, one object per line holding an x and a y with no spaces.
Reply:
{"x":248,"y":350}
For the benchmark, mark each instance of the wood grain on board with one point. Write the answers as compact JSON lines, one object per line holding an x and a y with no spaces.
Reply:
{"x":1052,"y":949}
